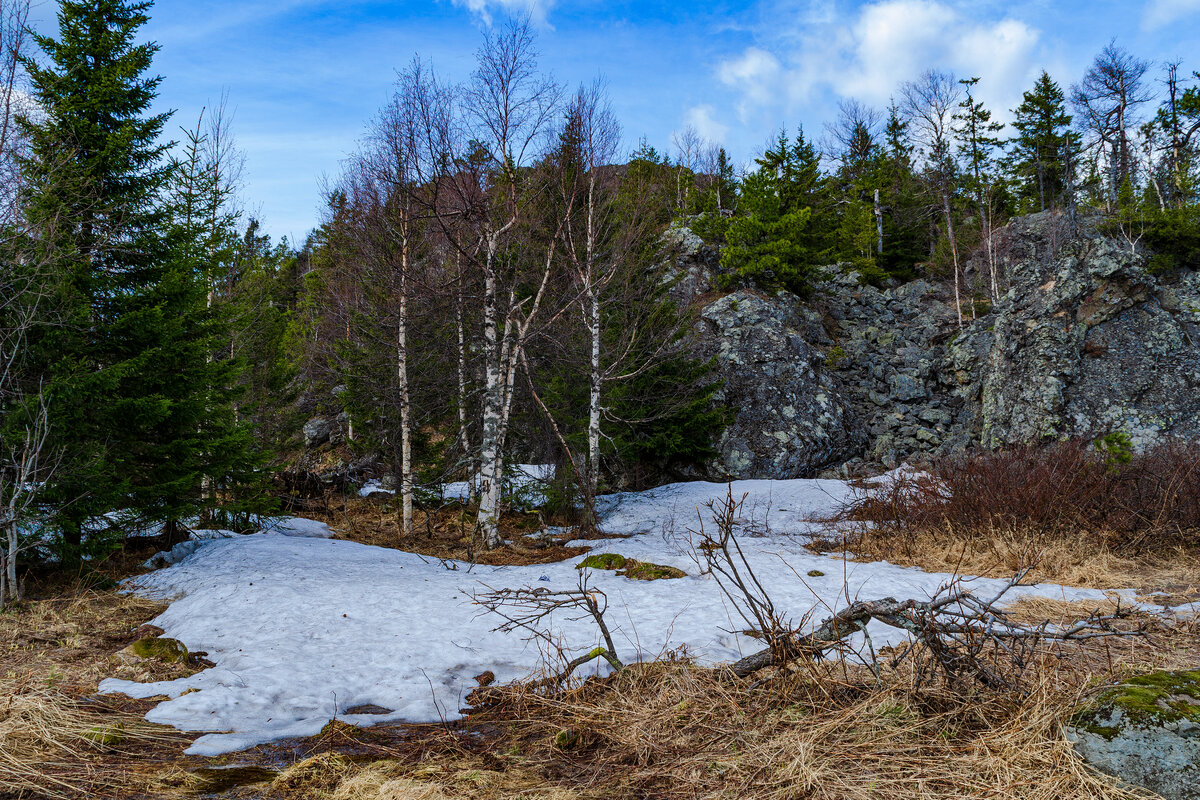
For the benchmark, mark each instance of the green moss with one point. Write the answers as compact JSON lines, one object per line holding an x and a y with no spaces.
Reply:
{"x":645,"y":571}
{"x":634,"y":570}
{"x":1154,"y":699}
{"x":108,"y":736}
{"x":602,"y":561}
{"x":835,"y":356}
{"x":816,"y":573}
{"x":161,"y":648}
{"x":567,"y":739}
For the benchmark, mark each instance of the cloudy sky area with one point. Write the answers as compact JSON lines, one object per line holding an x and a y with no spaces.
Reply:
{"x":304,"y":76}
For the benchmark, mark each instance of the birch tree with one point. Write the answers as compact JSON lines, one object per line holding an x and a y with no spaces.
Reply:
{"x":26,"y":289}
{"x":481,"y":154}
{"x":977,"y":137}
{"x":928,"y":103}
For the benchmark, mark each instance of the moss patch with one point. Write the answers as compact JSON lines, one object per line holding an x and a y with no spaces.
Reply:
{"x":169,"y":651}
{"x":106,"y":735}
{"x":602,"y":561}
{"x":645,"y":571}
{"x":1147,"y":700}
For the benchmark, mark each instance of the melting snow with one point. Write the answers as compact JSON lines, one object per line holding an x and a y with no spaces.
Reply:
{"x":303,"y":627}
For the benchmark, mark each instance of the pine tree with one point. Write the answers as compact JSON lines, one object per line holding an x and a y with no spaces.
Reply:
{"x":1041,"y":150}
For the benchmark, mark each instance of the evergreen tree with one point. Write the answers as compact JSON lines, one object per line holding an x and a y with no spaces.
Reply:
{"x":789,"y":229}
{"x":134,"y":400}
{"x":1042,"y":149}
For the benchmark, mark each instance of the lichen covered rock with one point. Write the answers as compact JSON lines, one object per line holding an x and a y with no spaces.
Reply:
{"x":789,"y":419}
{"x":1146,"y":732}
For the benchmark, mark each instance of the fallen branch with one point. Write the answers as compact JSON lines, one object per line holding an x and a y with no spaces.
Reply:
{"x":530,"y":609}
{"x":966,"y":636}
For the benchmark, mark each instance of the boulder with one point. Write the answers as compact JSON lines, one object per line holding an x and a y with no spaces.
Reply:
{"x":156,"y":648}
{"x":317,"y":431}
{"x":1146,"y":732}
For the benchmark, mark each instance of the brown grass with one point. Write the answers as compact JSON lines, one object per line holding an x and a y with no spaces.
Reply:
{"x":447,"y":532}
{"x":674,"y":731}
{"x":1084,"y":520}
{"x":57,"y":738}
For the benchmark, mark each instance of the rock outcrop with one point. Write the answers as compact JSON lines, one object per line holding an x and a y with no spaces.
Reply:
{"x":789,"y":418}
{"x":1085,"y":341}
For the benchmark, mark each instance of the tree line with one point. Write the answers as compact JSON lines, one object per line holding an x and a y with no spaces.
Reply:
{"x":488,"y":281}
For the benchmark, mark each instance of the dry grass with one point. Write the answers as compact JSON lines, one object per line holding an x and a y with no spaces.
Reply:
{"x":674,"y":731}
{"x":53,"y":745}
{"x":57,"y":739}
{"x":1085,"y":520}
{"x":445,"y":533}
{"x":997,"y":550}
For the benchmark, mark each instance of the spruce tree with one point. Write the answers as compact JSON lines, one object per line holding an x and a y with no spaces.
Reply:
{"x":789,"y":230}
{"x":131,"y":382}
{"x":1041,"y":151}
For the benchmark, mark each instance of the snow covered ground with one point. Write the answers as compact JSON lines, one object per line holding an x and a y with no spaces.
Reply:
{"x":302,"y":628}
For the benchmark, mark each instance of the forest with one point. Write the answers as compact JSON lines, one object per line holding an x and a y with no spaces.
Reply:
{"x":492,"y":289}
{"x":486,"y":285}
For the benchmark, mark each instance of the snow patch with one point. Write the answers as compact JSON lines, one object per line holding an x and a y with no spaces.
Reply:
{"x":302,"y":627}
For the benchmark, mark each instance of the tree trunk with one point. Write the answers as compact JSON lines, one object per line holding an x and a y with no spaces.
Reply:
{"x":953,"y":254}
{"x":464,"y":437}
{"x":406,"y":473}
{"x":878,"y":224}
{"x":490,"y":465}
{"x":592,"y":479}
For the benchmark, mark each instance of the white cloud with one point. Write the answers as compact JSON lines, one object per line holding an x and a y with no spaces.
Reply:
{"x":702,"y":118}
{"x":1160,"y":13}
{"x":536,"y":9}
{"x":888,"y":42}
{"x":755,"y":75}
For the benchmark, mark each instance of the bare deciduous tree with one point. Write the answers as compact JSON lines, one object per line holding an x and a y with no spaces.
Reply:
{"x":1107,"y":99}
{"x":25,"y":287}
{"x":929,"y":103}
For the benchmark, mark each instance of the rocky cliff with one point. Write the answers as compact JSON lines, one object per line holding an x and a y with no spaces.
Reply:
{"x":1084,"y":341}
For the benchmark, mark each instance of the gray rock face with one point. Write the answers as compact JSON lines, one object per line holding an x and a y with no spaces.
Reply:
{"x":790,"y":420}
{"x":1086,"y":341}
{"x":1146,"y":733}
{"x":889,"y":360}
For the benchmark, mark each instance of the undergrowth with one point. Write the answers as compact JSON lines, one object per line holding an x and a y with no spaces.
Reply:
{"x":1090,"y":513}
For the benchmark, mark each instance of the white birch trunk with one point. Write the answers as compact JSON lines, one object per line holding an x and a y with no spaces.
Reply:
{"x":596,"y":382}
{"x":490,"y":458}
{"x":878,"y":224}
{"x":464,"y":438}
{"x":406,"y":473}
{"x":953,"y":255}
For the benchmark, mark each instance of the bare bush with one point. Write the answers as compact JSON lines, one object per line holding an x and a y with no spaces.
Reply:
{"x":1069,"y":490}
{"x":531,"y":609}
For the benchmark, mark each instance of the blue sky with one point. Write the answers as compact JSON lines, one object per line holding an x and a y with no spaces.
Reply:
{"x":304,"y":76}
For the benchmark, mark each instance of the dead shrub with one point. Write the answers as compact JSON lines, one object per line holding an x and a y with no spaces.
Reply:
{"x":1031,"y":499}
